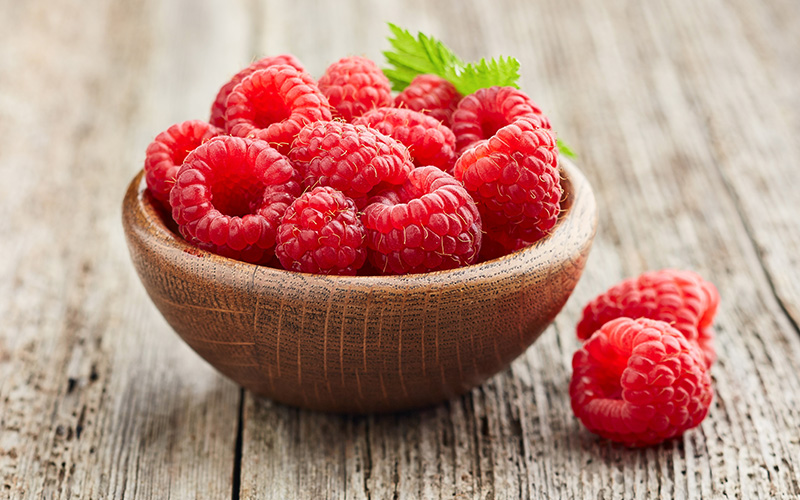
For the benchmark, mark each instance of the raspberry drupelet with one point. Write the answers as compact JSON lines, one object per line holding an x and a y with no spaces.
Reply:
{"x":428,"y":141}
{"x":515,"y":181}
{"x":322,"y":233}
{"x":432,"y":95}
{"x":639,"y":382}
{"x":218,"y":107}
{"x":429,"y":223}
{"x":682,"y":298}
{"x":273,"y":104}
{"x":481,"y":114}
{"x":230,"y":195}
{"x":351,"y":158}
{"x":354,"y":85}
{"x":166,"y":153}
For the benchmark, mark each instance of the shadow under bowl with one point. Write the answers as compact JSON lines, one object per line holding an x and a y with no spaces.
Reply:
{"x":360,"y":344}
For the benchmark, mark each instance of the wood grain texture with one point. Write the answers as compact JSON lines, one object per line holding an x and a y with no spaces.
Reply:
{"x":98,"y":398}
{"x":360,"y":344}
{"x":686,"y":117}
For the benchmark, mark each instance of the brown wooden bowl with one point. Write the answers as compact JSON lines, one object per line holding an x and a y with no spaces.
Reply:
{"x":360,"y":344}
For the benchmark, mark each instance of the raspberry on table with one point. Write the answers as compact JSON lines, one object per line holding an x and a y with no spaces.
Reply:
{"x":705,"y":330}
{"x":166,"y":153}
{"x":682,"y":298}
{"x":230,"y":195}
{"x":428,"y":141}
{"x":429,"y":223}
{"x":273,"y":104}
{"x":481,"y":114}
{"x":515,"y":181}
{"x":354,"y":85}
{"x":639,"y":382}
{"x":432,"y":95}
{"x":218,"y":107}
{"x":351,"y":158}
{"x":321,"y":233}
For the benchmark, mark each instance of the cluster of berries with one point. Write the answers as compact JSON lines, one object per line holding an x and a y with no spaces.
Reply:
{"x":642,"y":374}
{"x":338,"y":176}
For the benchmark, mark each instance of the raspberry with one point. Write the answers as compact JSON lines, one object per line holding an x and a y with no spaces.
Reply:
{"x":681,"y":298}
{"x":321,"y":233}
{"x":166,"y":153}
{"x":428,"y":141}
{"x":713,"y":301}
{"x":428,"y":223}
{"x":351,"y":158}
{"x":218,"y":108}
{"x":515,"y":181}
{"x":479,"y":115}
{"x":273,"y":104}
{"x":499,"y":243}
{"x":705,"y":338}
{"x":432,"y":95}
{"x":639,"y":382}
{"x":354,"y":85}
{"x":230,"y":194}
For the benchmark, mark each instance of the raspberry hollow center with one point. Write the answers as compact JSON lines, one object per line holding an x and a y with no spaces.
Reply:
{"x":235,"y":193}
{"x":182,"y":150}
{"x":609,"y":380}
{"x":269,"y":108}
{"x":613,"y":361}
{"x":491,"y":123}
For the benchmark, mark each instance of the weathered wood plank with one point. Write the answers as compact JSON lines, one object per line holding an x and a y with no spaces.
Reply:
{"x":98,"y":398}
{"x":753,"y":136}
{"x":638,"y":89}
{"x":664,"y":128}
{"x":686,"y":119}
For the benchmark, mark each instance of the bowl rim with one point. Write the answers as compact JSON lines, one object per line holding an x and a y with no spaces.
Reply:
{"x":578,"y":196}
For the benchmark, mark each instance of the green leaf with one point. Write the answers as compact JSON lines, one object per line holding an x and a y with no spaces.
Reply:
{"x":502,"y":72}
{"x":411,"y":56}
{"x":415,"y":56}
{"x":565,"y":150}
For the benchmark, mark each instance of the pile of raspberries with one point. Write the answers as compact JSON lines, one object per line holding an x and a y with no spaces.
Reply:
{"x":642,"y":374}
{"x":338,"y":176}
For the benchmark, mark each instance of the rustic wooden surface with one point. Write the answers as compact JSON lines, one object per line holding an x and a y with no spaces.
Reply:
{"x":686,"y":117}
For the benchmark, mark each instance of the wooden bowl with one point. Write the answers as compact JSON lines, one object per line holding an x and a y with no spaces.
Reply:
{"x":360,"y":344}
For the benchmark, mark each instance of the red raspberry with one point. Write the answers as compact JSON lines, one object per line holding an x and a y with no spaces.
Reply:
{"x":479,"y":115}
{"x":321,"y":233}
{"x":428,"y":141}
{"x":492,"y":249}
{"x":218,"y":108}
{"x":432,"y":95}
{"x":681,"y":298}
{"x":639,"y":382}
{"x":273,"y":104}
{"x":515,"y":181}
{"x":351,"y":158}
{"x":428,"y":223}
{"x":230,"y":194}
{"x":499,"y":243}
{"x":354,"y":85}
{"x":166,"y":153}
{"x":705,"y":338}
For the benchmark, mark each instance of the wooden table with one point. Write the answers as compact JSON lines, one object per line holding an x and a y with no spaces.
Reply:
{"x":685,"y":115}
